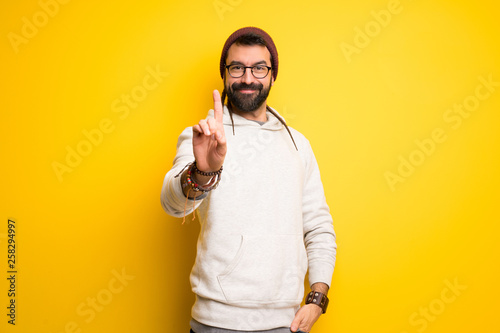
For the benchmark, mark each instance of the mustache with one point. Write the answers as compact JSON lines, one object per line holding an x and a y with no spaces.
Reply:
{"x":243,"y":86}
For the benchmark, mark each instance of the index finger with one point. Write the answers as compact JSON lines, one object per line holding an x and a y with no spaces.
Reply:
{"x":217,"y":107}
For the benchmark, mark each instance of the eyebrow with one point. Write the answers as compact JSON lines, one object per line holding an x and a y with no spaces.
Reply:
{"x":240,"y":63}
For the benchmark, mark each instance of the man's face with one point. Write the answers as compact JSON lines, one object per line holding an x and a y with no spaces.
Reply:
{"x":248,"y":93}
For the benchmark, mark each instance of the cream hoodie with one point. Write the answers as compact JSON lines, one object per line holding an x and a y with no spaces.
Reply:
{"x":261,"y":230}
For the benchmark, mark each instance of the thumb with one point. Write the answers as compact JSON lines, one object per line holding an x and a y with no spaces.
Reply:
{"x":295,"y":323}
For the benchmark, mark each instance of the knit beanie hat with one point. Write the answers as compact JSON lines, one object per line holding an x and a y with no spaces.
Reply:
{"x":253,"y":30}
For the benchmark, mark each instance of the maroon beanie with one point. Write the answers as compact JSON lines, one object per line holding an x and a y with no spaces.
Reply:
{"x":253,"y":30}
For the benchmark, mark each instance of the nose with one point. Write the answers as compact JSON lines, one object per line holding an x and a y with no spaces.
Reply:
{"x":247,"y":76}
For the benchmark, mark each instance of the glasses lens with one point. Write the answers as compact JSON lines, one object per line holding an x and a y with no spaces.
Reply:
{"x":260,"y":72}
{"x":236,"y":70}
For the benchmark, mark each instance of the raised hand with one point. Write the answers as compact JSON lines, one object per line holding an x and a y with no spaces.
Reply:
{"x":209,"y":140}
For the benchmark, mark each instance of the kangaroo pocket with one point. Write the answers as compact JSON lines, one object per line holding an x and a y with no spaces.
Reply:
{"x":266,"y":269}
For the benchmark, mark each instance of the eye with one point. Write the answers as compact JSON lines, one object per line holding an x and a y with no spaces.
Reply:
{"x":259,"y":68}
{"x":236,"y":67}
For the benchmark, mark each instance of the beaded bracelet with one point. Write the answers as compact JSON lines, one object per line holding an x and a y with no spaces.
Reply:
{"x":214,"y":181}
{"x":203,"y":173}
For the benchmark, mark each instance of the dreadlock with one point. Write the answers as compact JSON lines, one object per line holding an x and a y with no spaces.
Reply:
{"x":223,"y":98}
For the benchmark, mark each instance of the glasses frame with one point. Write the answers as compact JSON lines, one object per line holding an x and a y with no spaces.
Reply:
{"x":269,"y":68}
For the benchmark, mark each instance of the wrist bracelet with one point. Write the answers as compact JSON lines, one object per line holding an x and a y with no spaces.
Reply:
{"x":203,"y":173}
{"x":211,"y":185}
{"x":320,"y":299}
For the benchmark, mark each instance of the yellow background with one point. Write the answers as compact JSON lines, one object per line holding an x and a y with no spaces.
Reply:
{"x":400,"y":246}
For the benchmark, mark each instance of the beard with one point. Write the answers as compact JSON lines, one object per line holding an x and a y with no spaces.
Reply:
{"x":247,"y":102}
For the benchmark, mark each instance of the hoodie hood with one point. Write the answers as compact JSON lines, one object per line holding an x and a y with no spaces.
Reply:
{"x":272,"y":122}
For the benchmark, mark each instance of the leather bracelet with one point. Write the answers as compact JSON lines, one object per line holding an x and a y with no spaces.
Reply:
{"x":320,"y":299}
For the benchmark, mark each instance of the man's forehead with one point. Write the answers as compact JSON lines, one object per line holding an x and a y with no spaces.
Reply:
{"x":248,"y":54}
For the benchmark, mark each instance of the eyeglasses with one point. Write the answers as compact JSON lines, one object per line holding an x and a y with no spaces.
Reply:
{"x":258,"y":71}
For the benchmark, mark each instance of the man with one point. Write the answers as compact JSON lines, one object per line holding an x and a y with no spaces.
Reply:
{"x":264,"y":218}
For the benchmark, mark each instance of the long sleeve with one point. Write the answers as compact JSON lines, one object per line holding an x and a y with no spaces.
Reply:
{"x":173,"y":199}
{"x":319,"y":235}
